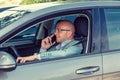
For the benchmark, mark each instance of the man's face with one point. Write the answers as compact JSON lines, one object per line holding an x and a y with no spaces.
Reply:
{"x":62,"y":33}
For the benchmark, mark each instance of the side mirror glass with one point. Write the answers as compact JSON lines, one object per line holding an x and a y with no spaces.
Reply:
{"x":7,"y":62}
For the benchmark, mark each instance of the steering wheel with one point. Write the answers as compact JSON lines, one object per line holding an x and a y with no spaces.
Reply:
{"x":15,"y":51}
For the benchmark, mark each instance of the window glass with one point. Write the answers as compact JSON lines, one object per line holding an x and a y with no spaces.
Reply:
{"x":28,"y":34}
{"x":113,"y":27}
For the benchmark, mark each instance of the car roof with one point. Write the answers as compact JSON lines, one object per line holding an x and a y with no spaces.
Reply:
{"x":84,"y":4}
{"x":96,"y":3}
{"x":49,"y":7}
{"x":66,"y":6}
{"x":34,"y":7}
{"x":5,"y":8}
{"x":29,"y":8}
{"x":41,"y":9}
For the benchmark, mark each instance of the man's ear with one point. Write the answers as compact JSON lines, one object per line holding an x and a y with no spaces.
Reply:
{"x":70,"y":34}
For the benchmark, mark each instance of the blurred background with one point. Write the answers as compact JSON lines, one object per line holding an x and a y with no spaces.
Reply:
{"x":26,"y":2}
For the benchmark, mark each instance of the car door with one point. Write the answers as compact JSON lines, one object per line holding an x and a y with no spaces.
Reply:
{"x":77,"y":68}
{"x":110,"y":43}
{"x":87,"y":66}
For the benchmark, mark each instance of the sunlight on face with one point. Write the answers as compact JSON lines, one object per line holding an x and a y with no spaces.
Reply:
{"x":63,"y":31}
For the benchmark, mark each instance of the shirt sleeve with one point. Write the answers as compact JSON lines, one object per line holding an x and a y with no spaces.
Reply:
{"x":42,"y":50}
{"x":76,"y":49}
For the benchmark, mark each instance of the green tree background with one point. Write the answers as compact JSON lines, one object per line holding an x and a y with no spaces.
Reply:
{"x":41,"y":1}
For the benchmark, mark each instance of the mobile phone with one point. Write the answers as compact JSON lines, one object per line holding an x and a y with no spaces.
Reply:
{"x":53,"y":39}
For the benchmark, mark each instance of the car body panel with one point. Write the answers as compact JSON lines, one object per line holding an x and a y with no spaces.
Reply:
{"x":64,"y":69}
{"x":111,"y":65}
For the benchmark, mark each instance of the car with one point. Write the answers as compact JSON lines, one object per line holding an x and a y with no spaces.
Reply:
{"x":97,"y":28}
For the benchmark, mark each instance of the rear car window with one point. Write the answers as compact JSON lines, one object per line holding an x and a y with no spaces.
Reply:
{"x":112,"y":17}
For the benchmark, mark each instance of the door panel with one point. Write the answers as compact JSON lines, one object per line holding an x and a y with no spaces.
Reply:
{"x":112,"y":76}
{"x":63,"y":69}
{"x":111,"y":66}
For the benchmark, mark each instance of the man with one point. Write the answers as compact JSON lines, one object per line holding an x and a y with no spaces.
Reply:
{"x":66,"y":45}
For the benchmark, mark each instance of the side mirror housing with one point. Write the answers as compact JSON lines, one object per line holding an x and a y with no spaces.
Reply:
{"x":7,"y":62}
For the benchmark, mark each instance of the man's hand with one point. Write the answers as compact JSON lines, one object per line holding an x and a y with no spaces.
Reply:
{"x":28,"y":58}
{"x":46,"y":43}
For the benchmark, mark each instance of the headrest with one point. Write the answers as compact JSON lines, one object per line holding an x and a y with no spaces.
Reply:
{"x":81,"y":26}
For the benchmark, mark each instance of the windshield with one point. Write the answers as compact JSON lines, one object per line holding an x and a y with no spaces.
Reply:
{"x":10,"y":16}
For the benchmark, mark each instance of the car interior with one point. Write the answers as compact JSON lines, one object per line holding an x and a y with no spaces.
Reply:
{"x":28,"y":42}
{"x":81,"y":27}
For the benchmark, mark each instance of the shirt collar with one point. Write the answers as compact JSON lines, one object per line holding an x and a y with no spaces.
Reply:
{"x":60,"y":45}
{"x":65,"y":42}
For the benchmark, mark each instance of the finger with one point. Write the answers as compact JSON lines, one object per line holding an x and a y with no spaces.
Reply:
{"x":52,"y":35}
{"x":46,"y":40}
{"x":49,"y":39}
{"x":53,"y":43}
{"x":18,"y":59}
{"x":22,"y":60}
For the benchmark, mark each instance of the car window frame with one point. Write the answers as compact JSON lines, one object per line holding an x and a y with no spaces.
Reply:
{"x":59,"y":13}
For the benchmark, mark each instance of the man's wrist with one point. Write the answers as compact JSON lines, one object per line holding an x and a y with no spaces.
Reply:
{"x":37,"y":56}
{"x":43,"y":48}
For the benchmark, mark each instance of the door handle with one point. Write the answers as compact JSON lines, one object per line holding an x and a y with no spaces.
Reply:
{"x":89,"y":69}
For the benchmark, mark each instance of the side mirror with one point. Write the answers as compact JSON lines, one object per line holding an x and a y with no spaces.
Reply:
{"x":7,"y":62}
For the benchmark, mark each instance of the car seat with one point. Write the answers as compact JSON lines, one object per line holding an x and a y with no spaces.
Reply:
{"x":81,"y":31}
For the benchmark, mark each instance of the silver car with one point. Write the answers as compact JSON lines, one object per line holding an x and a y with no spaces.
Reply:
{"x":97,"y":26}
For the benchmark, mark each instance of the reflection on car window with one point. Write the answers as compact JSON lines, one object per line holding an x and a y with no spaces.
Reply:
{"x":8,"y":17}
{"x":28,"y":34}
{"x":113,"y":27}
